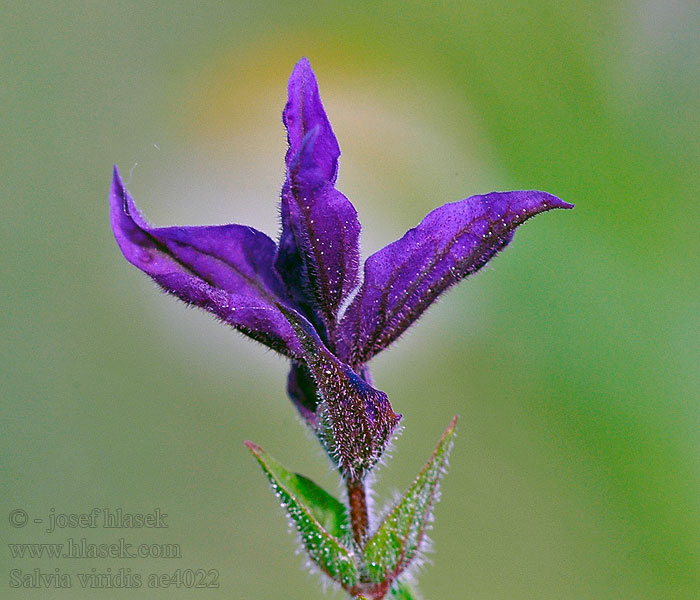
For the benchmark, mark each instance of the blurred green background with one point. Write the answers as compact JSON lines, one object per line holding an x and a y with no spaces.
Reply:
{"x":572,"y":360}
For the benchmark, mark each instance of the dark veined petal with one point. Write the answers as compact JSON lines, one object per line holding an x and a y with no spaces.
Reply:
{"x":302,"y":390}
{"x":355,"y":422}
{"x":318,"y":256}
{"x":227,"y":270}
{"x":404,"y":278}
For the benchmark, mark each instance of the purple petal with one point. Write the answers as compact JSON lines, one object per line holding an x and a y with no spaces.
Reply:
{"x":227,"y":270}
{"x":318,"y":256}
{"x":303,"y":392}
{"x":303,"y":113}
{"x":404,"y":278}
{"x":355,"y":422}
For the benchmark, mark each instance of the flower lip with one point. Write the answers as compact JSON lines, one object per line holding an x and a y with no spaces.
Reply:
{"x":404,"y":278}
{"x":225,"y":269}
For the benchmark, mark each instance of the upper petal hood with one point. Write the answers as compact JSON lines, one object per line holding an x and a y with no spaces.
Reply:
{"x":303,"y":113}
{"x":318,"y":256}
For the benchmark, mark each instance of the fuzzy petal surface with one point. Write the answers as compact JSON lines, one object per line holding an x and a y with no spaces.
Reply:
{"x":227,"y":269}
{"x":303,"y":113}
{"x":318,"y":256}
{"x":404,"y":278}
{"x":355,"y":421}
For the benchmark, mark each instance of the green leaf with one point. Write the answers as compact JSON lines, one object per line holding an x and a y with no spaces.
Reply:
{"x":402,"y":591}
{"x":398,"y":540}
{"x":320,"y":519}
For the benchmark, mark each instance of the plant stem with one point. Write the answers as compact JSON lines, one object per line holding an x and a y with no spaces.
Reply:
{"x":375,"y":592}
{"x":359,"y":517}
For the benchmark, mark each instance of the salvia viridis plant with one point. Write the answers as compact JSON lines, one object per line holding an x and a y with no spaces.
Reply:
{"x":307,"y":298}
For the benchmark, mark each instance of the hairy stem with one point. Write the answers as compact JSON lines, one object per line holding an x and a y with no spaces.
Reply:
{"x":359,"y":516}
{"x":372,"y":592}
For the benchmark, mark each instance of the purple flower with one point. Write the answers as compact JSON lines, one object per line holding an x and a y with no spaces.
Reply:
{"x":305,"y":296}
